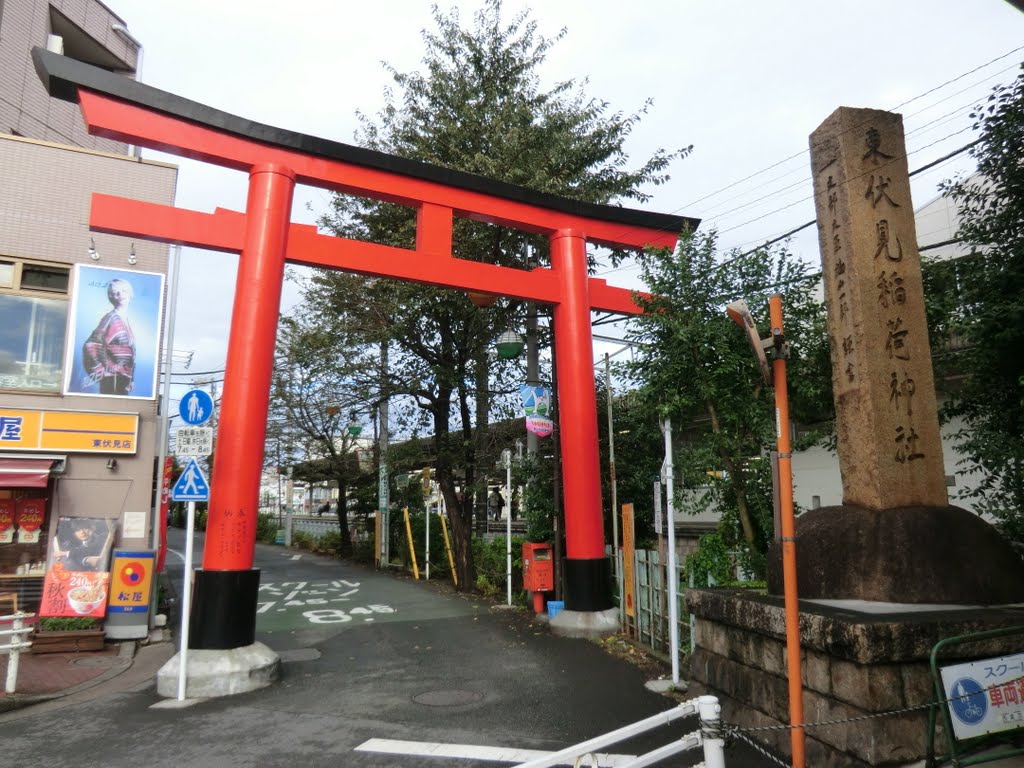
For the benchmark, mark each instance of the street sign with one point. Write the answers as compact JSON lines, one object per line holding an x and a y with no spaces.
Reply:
{"x":193,"y":441}
{"x":196,"y":407}
{"x":192,"y":485}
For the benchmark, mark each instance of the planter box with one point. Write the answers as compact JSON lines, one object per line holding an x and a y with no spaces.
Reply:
{"x":69,"y":641}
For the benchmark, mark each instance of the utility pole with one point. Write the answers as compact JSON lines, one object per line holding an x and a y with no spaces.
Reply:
{"x":383,"y":487}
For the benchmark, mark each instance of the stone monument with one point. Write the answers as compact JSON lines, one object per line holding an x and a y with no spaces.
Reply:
{"x":895,"y":538}
{"x":894,"y":569}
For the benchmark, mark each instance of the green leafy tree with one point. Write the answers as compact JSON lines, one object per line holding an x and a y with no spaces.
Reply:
{"x":986,"y":319}
{"x":696,"y":367}
{"x":477,"y":106}
{"x":316,"y":387}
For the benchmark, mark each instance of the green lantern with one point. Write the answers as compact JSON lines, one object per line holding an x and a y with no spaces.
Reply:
{"x":510,"y":345}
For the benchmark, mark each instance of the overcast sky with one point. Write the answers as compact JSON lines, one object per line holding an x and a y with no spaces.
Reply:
{"x":745,"y":82}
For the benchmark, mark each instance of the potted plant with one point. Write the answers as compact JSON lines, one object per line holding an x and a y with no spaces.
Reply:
{"x":63,"y":634}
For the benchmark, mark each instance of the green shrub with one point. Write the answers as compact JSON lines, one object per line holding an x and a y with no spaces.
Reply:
{"x":67,"y":623}
{"x":492,"y":567}
{"x":266,"y":528}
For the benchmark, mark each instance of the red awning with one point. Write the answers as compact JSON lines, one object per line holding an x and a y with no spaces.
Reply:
{"x":24,"y":473}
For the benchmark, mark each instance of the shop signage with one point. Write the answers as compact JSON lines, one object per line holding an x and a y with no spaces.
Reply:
{"x":7,"y":512}
{"x":131,"y":581}
{"x":79,"y":431}
{"x":31,"y":514}
{"x":77,"y":572}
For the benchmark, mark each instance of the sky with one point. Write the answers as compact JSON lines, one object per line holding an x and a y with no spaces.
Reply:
{"x":744,"y":82}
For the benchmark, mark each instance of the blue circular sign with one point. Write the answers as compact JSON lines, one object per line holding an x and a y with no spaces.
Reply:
{"x":968,"y":701}
{"x":196,"y":407}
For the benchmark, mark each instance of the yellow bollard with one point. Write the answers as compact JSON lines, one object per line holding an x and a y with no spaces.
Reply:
{"x":412,"y":550}
{"x":448,"y":549}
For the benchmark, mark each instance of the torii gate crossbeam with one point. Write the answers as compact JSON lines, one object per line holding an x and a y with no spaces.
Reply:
{"x":265,"y":238}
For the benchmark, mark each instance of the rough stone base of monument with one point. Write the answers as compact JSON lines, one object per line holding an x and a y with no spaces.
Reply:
{"x":589,"y":624}
{"x":221,"y":673}
{"x":858,"y":660}
{"x":905,"y":555}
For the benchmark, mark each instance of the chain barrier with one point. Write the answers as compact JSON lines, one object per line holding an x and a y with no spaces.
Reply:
{"x":1019,"y":681}
{"x":755,"y":746}
{"x":730,"y":733}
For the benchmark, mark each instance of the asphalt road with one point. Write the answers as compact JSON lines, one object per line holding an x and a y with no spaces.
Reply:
{"x":377,"y":667}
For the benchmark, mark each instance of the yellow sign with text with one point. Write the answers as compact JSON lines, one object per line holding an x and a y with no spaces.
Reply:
{"x":79,"y":431}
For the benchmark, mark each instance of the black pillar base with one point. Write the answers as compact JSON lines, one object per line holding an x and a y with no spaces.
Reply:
{"x":223,"y":609}
{"x":588,"y":585}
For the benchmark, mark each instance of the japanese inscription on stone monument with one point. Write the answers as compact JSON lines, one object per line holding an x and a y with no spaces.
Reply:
{"x":890,"y":451}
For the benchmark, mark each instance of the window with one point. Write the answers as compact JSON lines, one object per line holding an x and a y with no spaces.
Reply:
{"x":33,"y":320}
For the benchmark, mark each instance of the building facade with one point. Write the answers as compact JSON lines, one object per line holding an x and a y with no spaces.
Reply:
{"x":81,"y":313}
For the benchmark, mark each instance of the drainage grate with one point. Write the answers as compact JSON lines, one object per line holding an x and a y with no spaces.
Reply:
{"x":451,"y":698}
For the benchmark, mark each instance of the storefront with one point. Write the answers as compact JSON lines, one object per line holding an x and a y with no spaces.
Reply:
{"x":59,"y":464}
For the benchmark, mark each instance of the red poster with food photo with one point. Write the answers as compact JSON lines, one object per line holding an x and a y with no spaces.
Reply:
{"x":7,"y":514}
{"x":30,"y":516}
{"x":78,"y":568}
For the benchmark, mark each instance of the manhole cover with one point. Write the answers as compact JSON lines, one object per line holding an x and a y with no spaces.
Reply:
{"x":447,"y":698}
{"x":299,"y":654}
{"x":99,"y":661}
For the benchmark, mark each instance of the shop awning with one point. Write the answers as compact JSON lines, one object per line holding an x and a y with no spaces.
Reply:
{"x":24,"y":473}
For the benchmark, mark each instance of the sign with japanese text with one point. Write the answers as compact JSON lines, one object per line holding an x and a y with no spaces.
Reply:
{"x":985,"y":696}
{"x":76,"y":573}
{"x":30,"y":516}
{"x":539,"y":425}
{"x":79,"y":431}
{"x":131,"y":579}
{"x":7,"y":512}
{"x":193,"y":441}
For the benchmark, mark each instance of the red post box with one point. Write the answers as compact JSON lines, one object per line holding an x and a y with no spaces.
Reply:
{"x":538,"y":572}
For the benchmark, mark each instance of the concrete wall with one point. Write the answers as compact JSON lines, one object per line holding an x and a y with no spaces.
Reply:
{"x":25,"y":108}
{"x":44,"y":214}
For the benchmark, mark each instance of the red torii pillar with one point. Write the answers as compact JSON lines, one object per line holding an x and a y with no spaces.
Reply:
{"x":227,"y":586}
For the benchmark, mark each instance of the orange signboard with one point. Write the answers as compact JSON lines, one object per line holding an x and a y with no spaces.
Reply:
{"x":628,"y":589}
{"x":80,"y":431}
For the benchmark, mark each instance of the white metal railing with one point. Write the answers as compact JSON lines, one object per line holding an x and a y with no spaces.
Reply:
{"x":15,"y":645}
{"x":708,"y":736}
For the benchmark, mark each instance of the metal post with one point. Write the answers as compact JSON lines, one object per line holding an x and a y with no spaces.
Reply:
{"x":611,"y":475}
{"x":383,"y":487}
{"x":796,"y":693}
{"x":163,"y":436}
{"x":426,"y":567}
{"x":506,"y":457}
{"x":186,"y":600}
{"x":710,"y":720}
{"x":673,"y":587}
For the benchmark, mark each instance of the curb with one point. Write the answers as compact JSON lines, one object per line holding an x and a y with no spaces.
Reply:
{"x":14,"y":701}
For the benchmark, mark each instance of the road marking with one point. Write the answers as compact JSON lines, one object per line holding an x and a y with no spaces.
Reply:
{"x":474,"y":752}
{"x":296,"y":557}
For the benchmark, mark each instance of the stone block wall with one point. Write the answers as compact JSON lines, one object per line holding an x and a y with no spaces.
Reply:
{"x":867,"y":674}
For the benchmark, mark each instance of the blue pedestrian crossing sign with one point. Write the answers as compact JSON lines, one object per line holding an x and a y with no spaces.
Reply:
{"x":192,"y":485}
{"x":196,"y":407}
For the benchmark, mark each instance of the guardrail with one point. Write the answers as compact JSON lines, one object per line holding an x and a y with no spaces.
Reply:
{"x":709,"y":736}
{"x":16,"y":645}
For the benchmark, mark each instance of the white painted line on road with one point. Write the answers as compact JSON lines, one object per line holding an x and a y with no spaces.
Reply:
{"x":473,"y":752}
{"x":177,"y":554}
{"x":296,"y":557}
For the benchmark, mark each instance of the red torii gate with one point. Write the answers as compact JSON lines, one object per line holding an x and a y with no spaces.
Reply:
{"x":118,"y":108}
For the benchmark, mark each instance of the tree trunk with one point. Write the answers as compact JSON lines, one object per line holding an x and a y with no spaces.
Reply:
{"x":460,"y":515}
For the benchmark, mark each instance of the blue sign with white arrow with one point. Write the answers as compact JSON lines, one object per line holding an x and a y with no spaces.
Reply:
{"x":192,"y":485}
{"x":196,"y":407}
